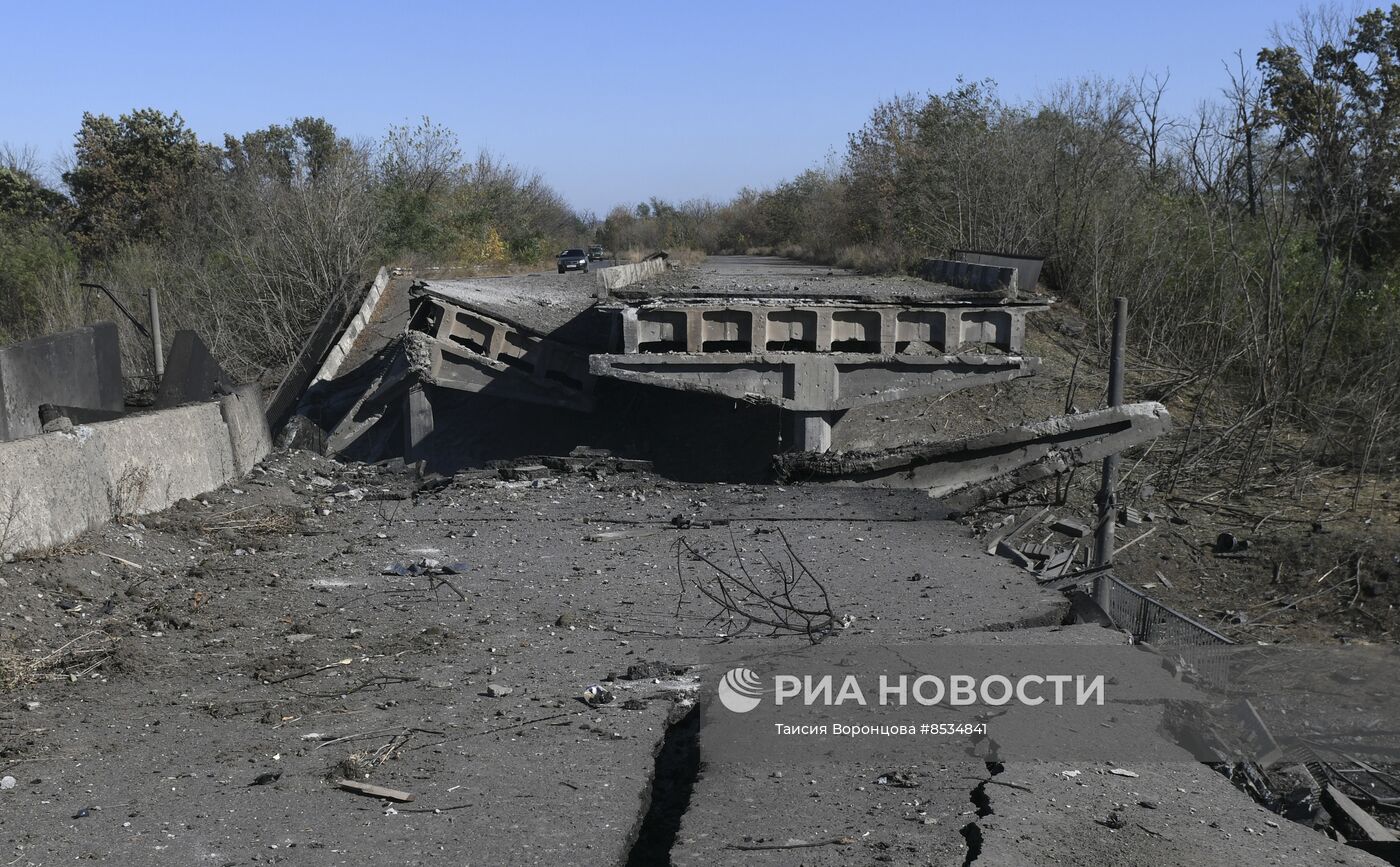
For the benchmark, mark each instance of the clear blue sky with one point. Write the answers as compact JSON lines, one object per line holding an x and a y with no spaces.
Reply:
{"x":611,"y":102}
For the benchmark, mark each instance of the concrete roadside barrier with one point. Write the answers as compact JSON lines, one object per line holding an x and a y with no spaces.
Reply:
{"x":56,"y":486}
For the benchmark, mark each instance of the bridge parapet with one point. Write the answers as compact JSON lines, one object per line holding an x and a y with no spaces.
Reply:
{"x":762,"y":326}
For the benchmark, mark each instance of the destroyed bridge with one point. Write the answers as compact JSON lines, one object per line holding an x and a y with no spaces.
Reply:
{"x":650,"y":356}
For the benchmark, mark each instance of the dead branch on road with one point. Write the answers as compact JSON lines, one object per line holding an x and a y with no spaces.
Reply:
{"x":786,"y":597}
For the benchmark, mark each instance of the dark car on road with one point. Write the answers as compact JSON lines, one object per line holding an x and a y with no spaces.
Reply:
{"x":572,"y":260}
{"x":595,"y":253}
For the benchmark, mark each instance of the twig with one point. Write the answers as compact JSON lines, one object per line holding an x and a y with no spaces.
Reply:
{"x":137,"y":566}
{"x":1118,"y":551}
{"x":304,"y":672}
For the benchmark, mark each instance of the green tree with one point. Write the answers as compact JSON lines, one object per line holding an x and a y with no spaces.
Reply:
{"x":32,"y":245}
{"x":128,"y":175}
{"x":300,"y":153}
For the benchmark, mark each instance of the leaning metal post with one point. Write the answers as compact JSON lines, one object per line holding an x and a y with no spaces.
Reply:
{"x":1108,"y":490}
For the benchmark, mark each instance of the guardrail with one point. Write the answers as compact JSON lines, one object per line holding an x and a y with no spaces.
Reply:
{"x":1179,"y":637}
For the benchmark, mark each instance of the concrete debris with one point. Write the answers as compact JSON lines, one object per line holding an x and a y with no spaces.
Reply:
{"x":191,"y":373}
{"x":1007,"y":550}
{"x":596,"y":695}
{"x":1070,"y":527}
{"x":426,"y":566}
{"x":944,"y":468}
{"x":1038,"y":551}
{"x":1362,"y":823}
{"x":77,"y":370}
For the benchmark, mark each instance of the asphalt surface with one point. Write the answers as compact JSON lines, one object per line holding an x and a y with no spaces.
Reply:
{"x":261,"y":652}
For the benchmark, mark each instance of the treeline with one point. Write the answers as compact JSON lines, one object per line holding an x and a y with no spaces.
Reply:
{"x":1257,"y":239}
{"x":249,"y":240}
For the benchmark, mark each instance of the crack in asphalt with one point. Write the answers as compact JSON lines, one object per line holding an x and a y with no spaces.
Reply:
{"x":972,"y":831}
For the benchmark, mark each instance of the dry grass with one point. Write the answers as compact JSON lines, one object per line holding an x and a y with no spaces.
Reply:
{"x":126,"y":495}
{"x":468,"y":271}
{"x":76,"y":548}
{"x":252,"y":520}
{"x":71,"y":660}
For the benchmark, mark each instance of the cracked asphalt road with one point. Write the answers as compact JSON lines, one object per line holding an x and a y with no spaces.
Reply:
{"x":254,"y":636}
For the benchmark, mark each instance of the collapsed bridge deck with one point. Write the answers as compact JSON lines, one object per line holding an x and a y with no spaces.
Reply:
{"x":805,"y":342}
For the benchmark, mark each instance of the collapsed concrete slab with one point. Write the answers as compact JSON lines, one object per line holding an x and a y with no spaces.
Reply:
{"x":944,"y":468}
{"x":326,"y":347}
{"x":452,"y":346}
{"x":742,"y":331}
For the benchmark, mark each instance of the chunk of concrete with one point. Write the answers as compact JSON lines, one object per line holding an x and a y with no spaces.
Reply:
{"x":191,"y":373}
{"x":942,"y":468}
{"x":80,"y":368}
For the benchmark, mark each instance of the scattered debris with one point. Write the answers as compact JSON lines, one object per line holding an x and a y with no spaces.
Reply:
{"x":791,"y":844}
{"x":619,"y":535}
{"x":597,"y":694}
{"x":1229,"y":543}
{"x":426,"y":566}
{"x":375,"y":791}
{"x":1006,"y":550}
{"x":1071,"y":527}
{"x":649,"y":671}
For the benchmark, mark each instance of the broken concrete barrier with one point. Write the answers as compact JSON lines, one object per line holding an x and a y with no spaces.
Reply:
{"x":625,"y":275}
{"x":57,"y":486}
{"x":79,"y":368}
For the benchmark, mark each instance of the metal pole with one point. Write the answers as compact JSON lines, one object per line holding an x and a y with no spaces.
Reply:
{"x":1108,"y":490}
{"x":155,"y":333}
